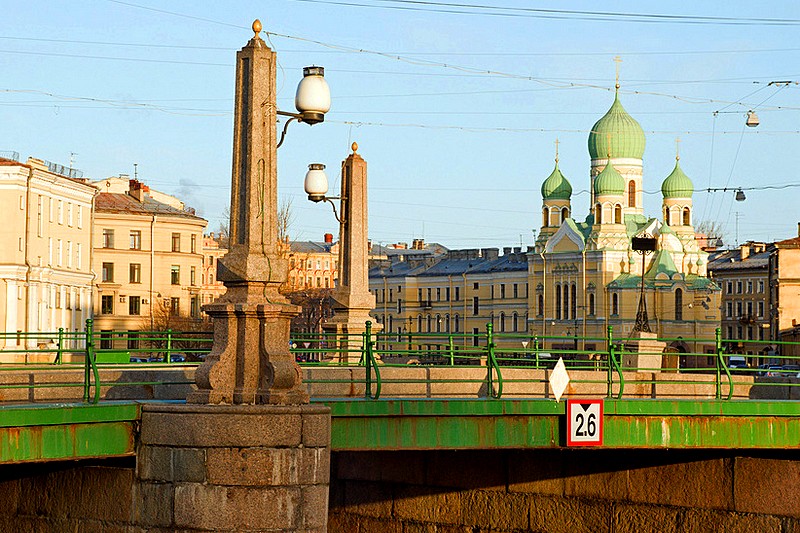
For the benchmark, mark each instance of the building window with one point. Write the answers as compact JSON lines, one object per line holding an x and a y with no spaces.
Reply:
{"x":558,"y":302}
{"x":50,"y":209}
{"x":193,"y":243}
{"x":761,"y":287}
{"x":60,"y":211}
{"x":136,"y":240}
{"x":475,"y":337}
{"x":134,"y":305}
{"x":502,"y":290}
{"x":515,"y":290}
{"x":68,"y":298}
{"x":455,"y":324}
{"x":438,"y":294}
{"x":69,"y":254}
{"x":728,"y":309}
{"x":475,"y":286}
{"x":761,"y":309}
{"x":399,"y":304}
{"x":678,"y":304}
{"x":738,"y":287}
{"x":574,"y":301}
{"x":58,"y":297}
{"x":749,"y":287}
{"x":80,"y":216}
{"x":514,"y":324}
{"x":502,"y":322}
{"x":192,"y":276}
{"x":739,"y":309}
{"x":174,"y":306}
{"x":59,"y":252}
{"x":632,"y":194}
{"x":78,"y":300}
{"x":176,"y":242}
{"x":175,"y":275}
{"x":39,"y":221}
{"x":69,"y":214}
{"x":458,"y":293}
{"x":591,"y":304}
{"x":749,"y":308}
{"x":107,"y":272}
{"x":475,"y":305}
{"x":540,"y":305}
{"x":108,"y":238}
{"x":106,"y":303}
{"x":615,"y":304}
{"x":78,"y":256}
{"x":729,"y":288}
{"x":135,"y":273}
{"x":419,"y":295}
{"x":106,"y":339}
{"x":447,"y":294}
{"x":194,"y":307}
{"x":133,"y":340}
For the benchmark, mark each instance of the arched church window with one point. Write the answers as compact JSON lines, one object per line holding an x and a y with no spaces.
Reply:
{"x":615,"y":304}
{"x":540,"y":306}
{"x":678,"y":304}
{"x":574,"y":301}
{"x":564,"y":214}
{"x":558,"y":302}
{"x":666,"y":215}
{"x":632,"y":194}
{"x":545,"y":217}
{"x":591,"y":304}
{"x":598,"y":214}
{"x":565,"y":289}
{"x":617,"y":214}
{"x":687,"y":216}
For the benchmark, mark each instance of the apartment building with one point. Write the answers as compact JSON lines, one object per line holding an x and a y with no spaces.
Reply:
{"x":45,"y":258}
{"x":212,"y":288}
{"x":148,"y":256}
{"x":312,"y":264}
{"x":743,"y":274}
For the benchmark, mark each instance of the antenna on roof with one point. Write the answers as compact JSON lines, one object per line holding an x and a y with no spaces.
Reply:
{"x":136,"y":171}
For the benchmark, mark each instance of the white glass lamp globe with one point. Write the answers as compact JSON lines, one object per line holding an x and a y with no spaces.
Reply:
{"x":313,"y":97}
{"x":316,"y":183}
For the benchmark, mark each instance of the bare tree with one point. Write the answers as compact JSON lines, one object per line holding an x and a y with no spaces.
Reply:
{"x":188,"y":334}
{"x":712,"y":229}
{"x":317,"y":305}
{"x":285,"y":220}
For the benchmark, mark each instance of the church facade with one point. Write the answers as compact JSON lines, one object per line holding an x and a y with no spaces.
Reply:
{"x":585,"y":275}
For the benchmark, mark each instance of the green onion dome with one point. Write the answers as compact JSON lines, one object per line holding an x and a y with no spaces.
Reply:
{"x":556,"y":186}
{"x":609,"y":182}
{"x":677,"y":184}
{"x":624,"y":133}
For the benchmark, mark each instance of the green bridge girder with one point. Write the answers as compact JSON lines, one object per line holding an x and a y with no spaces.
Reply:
{"x":69,"y":431}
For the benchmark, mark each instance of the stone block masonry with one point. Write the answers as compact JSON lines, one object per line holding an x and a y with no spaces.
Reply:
{"x":569,"y":491}
{"x":233,"y":468}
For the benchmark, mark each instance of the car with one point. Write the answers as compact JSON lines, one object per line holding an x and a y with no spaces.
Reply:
{"x":774,"y":371}
{"x":177,"y":358}
{"x":138,"y":360}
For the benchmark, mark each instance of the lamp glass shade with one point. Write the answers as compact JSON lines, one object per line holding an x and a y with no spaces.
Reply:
{"x":313,"y":94}
{"x":316,"y":182}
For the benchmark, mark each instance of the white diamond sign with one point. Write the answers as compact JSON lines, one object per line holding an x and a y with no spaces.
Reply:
{"x":559,"y":379}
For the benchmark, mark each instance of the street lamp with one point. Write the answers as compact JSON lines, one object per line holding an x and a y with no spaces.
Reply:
{"x":643,"y":244}
{"x":352,"y":301}
{"x":250,"y":361}
{"x":312,"y":99}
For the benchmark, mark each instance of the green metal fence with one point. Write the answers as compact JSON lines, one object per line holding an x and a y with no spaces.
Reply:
{"x":488,"y":358}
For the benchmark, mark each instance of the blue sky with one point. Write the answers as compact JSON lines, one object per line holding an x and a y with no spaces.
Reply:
{"x":455,"y":156}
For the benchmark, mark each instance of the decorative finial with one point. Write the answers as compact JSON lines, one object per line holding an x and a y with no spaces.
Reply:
{"x":257,"y":27}
{"x":617,"y":60}
{"x":677,"y":148}
{"x":556,"y":150}
{"x":354,"y":146}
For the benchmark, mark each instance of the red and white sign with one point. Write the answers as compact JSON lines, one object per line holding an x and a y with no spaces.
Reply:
{"x":585,"y":422}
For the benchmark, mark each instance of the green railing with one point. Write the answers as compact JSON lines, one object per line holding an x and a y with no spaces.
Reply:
{"x":498,"y":364}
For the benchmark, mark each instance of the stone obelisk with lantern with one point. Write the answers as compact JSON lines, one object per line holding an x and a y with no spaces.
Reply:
{"x":246,"y":452}
{"x":352,"y":299}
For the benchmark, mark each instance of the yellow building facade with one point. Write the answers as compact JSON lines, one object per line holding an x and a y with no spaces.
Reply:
{"x":45,"y":257}
{"x":148,"y":257}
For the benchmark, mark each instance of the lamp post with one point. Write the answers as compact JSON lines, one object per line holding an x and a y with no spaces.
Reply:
{"x":643,"y":244}
{"x":352,"y":299}
{"x":250,"y":361}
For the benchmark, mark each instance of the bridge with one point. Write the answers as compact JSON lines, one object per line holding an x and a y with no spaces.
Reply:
{"x":465,"y":438}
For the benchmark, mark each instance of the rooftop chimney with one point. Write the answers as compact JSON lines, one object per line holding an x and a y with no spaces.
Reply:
{"x":745,"y":251}
{"x":329,"y":238}
{"x":137,"y":189}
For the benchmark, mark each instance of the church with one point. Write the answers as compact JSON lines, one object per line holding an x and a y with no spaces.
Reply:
{"x":585,"y":275}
